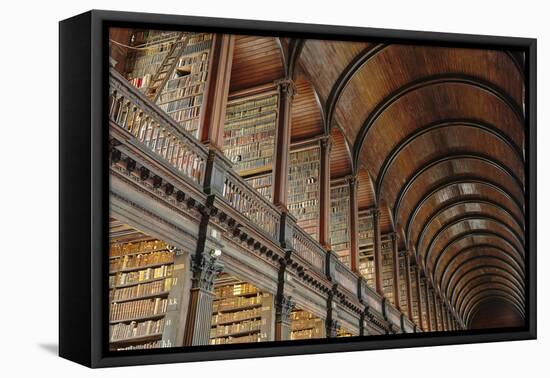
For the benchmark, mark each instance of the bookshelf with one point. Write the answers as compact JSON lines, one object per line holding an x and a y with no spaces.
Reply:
{"x":341,"y":332}
{"x":366,"y":251}
{"x":339,"y":222}
{"x":150,"y":48}
{"x":241,"y":313}
{"x":249,"y":138}
{"x":403,"y":284}
{"x":304,"y":325}
{"x":182,"y":95}
{"x":424,"y":304}
{"x":387,"y":269}
{"x":140,"y":280}
{"x":414,"y":299}
{"x":303,"y":188}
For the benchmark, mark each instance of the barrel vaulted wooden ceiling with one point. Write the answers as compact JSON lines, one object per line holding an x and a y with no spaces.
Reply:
{"x":436,"y":137}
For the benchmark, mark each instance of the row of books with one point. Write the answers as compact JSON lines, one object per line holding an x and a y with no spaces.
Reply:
{"x":235,"y":316}
{"x":230,"y":304}
{"x":126,"y":278}
{"x":185,"y":81}
{"x":184,"y":103}
{"x":236,"y":340}
{"x":141,"y":259}
{"x":242,"y":107}
{"x":149,"y":345}
{"x":137,"y":309}
{"x":141,"y":290}
{"x":252,"y":139}
{"x":240,"y":327}
{"x":250,"y":126}
{"x":179,"y":93}
{"x":262,"y":184}
{"x":235,"y":290}
{"x":124,"y":331}
{"x":185,"y":114}
{"x":118,"y":249}
{"x":250,"y":153}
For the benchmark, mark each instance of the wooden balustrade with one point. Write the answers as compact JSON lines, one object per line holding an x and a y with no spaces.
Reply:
{"x":371,"y":297}
{"x":251,"y":204}
{"x":345,"y":277}
{"x":309,"y":249}
{"x":151,"y":128}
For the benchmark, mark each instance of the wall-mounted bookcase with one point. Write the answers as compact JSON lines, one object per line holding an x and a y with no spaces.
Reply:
{"x":424,"y":305}
{"x":339,"y":222}
{"x":387,"y":269}
{"x":341,"y":332}
{"x":182,"y":95}
{"x":140,"y":280}
{"x":305,"y":325}
{"x":403,"y":284}
{"x":366,"y":251}
{"x":241,"y":313}
{"x":249,"y":138}
{"x":414,"y":298}
{"x":303,"y":188}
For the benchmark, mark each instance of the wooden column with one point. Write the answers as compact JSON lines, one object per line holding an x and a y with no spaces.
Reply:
{"x":436,"y":321}
{"x":283,"y":305}
{"x":418,"y":296}
{"x":286,"y":90}
{"x":408,"y":283}
{"x":443,"y":316}
{"x":428,"y":306}
{"x":395,"y":271}
{"x":283,"y":309}
{"x":353,"y":223}
{"x":199,"y":314}
{"x":324,"y":197}
{"x":377,"y":251}
{"x":217,"y":90}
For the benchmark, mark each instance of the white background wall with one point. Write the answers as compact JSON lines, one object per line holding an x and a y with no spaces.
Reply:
{"x":29,"y":185}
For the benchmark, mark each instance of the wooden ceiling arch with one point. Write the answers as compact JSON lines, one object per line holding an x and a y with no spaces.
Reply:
{"x":494,"y":313}
{"x":436,"y":137}
{"x":469,"y":219}
{"x":450,"y":191}
{"x":467,"y":288}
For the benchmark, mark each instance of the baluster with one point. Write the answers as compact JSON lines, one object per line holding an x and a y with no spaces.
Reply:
{"x":180,"y":157}
{"x":160,"y":140}
{"x":112,"y":102}
{"x":142,"y":126}
{"x":150,"y":131}
{"x":174,"y":152}
{"x":154,"y":136}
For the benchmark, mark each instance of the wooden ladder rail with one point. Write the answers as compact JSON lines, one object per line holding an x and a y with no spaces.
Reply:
{"x":154,"y":90}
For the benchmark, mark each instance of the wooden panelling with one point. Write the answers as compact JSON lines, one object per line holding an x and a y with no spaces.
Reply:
{"x":435,"y":105}
{"x":306,"y":112}
{"x":365,"y":191}
{"x":324,"y":61}
{"x":340,"y":159}
{"x":256,"y":61}
{"x":496,"y":315}
{"x":398,"y":65}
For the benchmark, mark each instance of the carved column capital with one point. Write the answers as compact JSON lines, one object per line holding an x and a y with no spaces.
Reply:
{"x":286,"y":88}
{"x":333,"y":328}
{"x":352,"y":181}
{"x":205,"y":269}
{"x":374,"y":212}
{"x":404,"y":253}
{"x":284,"y":306}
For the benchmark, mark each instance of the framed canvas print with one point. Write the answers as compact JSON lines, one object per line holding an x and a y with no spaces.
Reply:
{"x":233,"y":188}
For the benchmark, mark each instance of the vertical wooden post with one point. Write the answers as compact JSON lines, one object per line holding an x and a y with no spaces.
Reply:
{"x":443,"y":316}
{"x":428,"y":306}
{"x":418,"y":297}
{"x":287,"y":91}
{"x":395,"y":271}
{"x":217,"y":90}
{"x":324,"y":221}
{"x":436,"y":317}
{"x":408,"y":284}
{"x":377,"y":252}
{"x":353,"y":223}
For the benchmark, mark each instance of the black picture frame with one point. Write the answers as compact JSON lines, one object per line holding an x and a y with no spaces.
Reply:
{"x":83,"y":196}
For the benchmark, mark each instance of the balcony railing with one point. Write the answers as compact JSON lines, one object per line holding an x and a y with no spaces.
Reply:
{"x":309,"y":249}
{"x":154,"y":130}
{"x":150,"y":128}
{"x":247,"y":201}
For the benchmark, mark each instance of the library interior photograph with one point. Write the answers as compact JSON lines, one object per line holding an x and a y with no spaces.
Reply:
{"x":268,"y":188}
